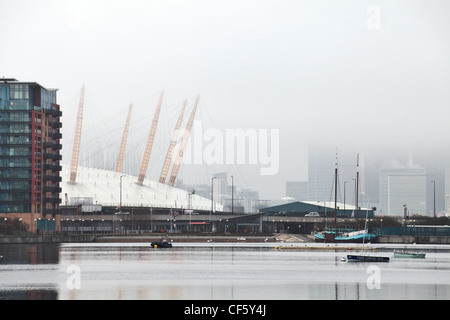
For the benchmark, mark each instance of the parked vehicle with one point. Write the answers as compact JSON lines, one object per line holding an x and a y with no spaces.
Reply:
{"x":312,"y":214}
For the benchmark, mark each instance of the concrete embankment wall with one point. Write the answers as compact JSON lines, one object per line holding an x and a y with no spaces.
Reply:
{"x":130,"y":238}
{"x":97,"y":238}
{"x":414,"y":239}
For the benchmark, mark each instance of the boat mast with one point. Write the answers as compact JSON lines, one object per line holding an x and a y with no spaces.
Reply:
{"x":357,"y":189}
{"x":335,"y":194}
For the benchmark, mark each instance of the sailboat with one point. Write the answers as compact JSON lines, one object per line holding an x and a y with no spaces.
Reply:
{"x":344,"y":235}
{"x":364,"y":257}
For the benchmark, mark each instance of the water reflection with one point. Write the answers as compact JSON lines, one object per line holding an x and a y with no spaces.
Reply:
{"x":38,"y":294}
{"x":191,"y":271}
{"x":27,"y":271}
{"x":29,"y":253}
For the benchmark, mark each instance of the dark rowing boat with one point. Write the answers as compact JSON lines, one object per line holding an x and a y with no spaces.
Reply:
{"x":364,"y":258}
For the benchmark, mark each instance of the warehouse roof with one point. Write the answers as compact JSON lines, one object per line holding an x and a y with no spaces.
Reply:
{"x":308,"y":206}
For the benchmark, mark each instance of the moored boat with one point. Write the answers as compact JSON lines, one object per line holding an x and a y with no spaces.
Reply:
{"x":345,"y":235}
{"x":359,"y":236}
{"x":365,"y":258}
{"x":409,"y":254}
{"x":164,"y":242}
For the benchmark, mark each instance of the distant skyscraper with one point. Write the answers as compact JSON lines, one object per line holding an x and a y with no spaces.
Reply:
{"x":408,"y":189}
{"x":30,"y":154}
{"x":447,"y":191}
{"x":297,"y":190}
{"x":321,"y":166}
{"x":403,"y":186}
{"x":407,"y":179}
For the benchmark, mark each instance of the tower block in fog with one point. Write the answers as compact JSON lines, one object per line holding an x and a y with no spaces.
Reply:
{"x":187,"y":133}
{"x":150,"y":140}
{"x":173,"y":142}
{"x":77,"y":140}
{"x":30,"y":167}
{"x":123,"y":144}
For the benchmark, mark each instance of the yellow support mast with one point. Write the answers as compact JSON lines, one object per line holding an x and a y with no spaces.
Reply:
{"x":150,"y":140}
{"x":123,"y":144}
{"x":187,"y":133}
{"x":77,"y":141}
{"x":173,"y":142}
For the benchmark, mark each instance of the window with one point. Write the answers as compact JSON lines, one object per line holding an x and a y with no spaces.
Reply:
{"x":18,"y":92}
{"x":7,"y":208}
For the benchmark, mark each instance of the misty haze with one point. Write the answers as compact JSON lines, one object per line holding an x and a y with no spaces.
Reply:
{"x":368,"y":78}
{"x":228,"y":150}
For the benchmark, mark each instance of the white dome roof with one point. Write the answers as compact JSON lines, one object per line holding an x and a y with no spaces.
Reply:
{"x":103,"y":187}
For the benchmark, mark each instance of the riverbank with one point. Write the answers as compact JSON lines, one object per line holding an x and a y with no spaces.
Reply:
{"x":188,"y":238}
{"x":413,"y":239}
{"x":47,"y":239}
{"x":134,"y":238}
{"x":203,"y":238}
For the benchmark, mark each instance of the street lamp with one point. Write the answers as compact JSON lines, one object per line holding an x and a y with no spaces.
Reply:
{"x":434,"y":198}
{"x":190,"y":208}
{"x":405,"y":209}
{"x":232,"y":195}
{"x":120,"y":200}
{"x":212,"y":194}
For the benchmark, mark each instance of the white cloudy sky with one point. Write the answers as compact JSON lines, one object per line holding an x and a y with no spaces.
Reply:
{"x":365,"y":74}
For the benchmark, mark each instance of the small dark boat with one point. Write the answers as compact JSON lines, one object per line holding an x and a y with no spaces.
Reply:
{"x":164,"y":242}
{"x":363,"y":258}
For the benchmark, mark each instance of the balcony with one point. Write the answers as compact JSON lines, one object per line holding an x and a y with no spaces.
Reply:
{"x":52,"y":167}
{"x":55,"y":146}
{"x":52,"y":178}
{"x":53,"y":112}
{"x":52,"y":189}
{"x":57,"y":135}
{"x":52,"y":156}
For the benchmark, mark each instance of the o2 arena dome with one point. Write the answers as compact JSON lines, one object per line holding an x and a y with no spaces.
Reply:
{"x":97,"y":186}
{"x":86,"y":185}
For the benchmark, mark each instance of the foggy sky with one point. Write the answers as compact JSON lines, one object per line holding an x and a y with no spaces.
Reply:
{"x":364,"y":75}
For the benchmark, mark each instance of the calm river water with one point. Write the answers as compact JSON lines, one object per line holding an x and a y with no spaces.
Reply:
{"x":209,"y":271}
